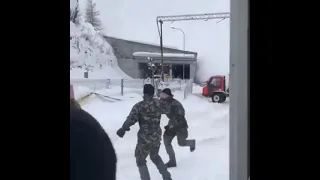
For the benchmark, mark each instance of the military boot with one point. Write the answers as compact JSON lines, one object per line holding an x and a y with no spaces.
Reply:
{"x":172,"y":156}
{"x":192,"y":144}
{"x":171,"y":163}
{"x":144,"y":172}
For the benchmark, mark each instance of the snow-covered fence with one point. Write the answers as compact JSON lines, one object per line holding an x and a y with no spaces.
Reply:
{"x":188,"y":88}
{"x":128,"y":85}
{"x":173,"y":84}
{"x":92,"y":84}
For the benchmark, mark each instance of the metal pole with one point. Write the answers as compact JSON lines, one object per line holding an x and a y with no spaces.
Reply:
{"x":152,"y":76}
{"x":184,"y":40}
{"x":122,"y":87}
{"x":184,"y":46}
{"x":184,"y":37}
{"x":183,"y":71}
{"x":161,"y":48}
{"x":239,"y":108}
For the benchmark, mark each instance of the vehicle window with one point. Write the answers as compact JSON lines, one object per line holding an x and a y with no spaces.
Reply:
{"x":216,"y":82}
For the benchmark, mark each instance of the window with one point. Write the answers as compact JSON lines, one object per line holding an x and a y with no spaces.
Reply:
{"x":216,"y":82}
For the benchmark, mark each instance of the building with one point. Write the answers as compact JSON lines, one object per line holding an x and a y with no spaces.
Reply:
{"x":134,"y":59}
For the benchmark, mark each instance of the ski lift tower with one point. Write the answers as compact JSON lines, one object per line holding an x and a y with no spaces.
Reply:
{"x":187,"y":17}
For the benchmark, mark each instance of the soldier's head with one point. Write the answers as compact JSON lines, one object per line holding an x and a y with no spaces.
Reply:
{"x":166,"y":93}
{"x":148,"y":89}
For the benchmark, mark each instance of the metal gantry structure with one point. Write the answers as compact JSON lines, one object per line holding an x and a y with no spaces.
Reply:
{"x":187,"y":17}
{"x":239,"y":122}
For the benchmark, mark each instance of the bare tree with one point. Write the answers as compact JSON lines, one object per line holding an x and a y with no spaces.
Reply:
{"x":92,"y":15}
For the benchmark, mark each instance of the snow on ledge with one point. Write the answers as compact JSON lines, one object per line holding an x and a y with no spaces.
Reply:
{"x":149,"y":54}
{"x":143,"y":42}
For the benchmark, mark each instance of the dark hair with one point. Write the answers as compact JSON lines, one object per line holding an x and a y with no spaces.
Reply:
{"x":167,"y":91}
{"x":148,"y":89}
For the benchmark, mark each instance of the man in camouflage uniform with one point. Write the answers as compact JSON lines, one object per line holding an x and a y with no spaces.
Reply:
{"x":177,"y":126}
{"x":148,"y":114}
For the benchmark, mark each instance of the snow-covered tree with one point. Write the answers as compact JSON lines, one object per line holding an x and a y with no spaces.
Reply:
{"x":74,"y":10}
{"x":92,"y":15}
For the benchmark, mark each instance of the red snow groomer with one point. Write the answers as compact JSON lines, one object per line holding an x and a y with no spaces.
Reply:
{"x":217,"y":88}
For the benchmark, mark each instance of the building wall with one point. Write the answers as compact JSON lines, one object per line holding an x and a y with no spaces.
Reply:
{"x":124,"y":49}
{"x":130,"y":67}
{"x":193,"y":68}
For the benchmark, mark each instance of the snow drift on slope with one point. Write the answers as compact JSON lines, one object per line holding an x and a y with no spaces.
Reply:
{"x":89,"y":51}
{"x":88,"y":48}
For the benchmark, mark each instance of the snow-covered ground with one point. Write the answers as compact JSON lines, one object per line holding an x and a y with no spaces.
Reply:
{"x":208,"y":124}
{"x":104,"y":73}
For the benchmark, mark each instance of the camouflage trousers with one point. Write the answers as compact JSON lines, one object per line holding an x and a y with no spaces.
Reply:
{"x":182,"y":135}
{"x":143,"y":150}
{"x":141,"y":153}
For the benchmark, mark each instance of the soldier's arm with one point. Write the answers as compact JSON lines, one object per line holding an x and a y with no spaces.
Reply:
{"x":164,"y":107}
{"x":132,"y":118}
{"x":178,"y":114}
{"x":180,"y":111}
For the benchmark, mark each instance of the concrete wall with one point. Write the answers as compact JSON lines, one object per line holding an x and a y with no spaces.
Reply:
{"x":130,"y":67}
{"x":123,"y":50}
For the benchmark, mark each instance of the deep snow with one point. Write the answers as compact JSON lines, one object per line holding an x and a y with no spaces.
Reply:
{"x":208,"y":124}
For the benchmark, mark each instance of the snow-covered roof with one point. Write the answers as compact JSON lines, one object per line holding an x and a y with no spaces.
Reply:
{"x":150,"y":54}
{"x":142,"y":42}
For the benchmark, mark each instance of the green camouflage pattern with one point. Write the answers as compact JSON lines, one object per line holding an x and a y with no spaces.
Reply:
{"x":143,"y":150}
{"x":176,"y":114}
{"x":148,"y":114}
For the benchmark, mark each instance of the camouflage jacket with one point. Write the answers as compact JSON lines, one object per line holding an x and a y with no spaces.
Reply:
{"x":148,"y":114}
{"x":176,"y":114}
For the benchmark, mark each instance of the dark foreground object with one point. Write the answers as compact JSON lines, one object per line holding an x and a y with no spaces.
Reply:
{"x":92,"y":156}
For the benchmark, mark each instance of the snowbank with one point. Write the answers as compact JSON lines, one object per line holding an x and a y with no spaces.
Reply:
{"x":149,"y":54}
{"x":104,"y":73}
{"x":88,"y":49}
{"x":81,"y":91}
{"x":90,"y":52}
